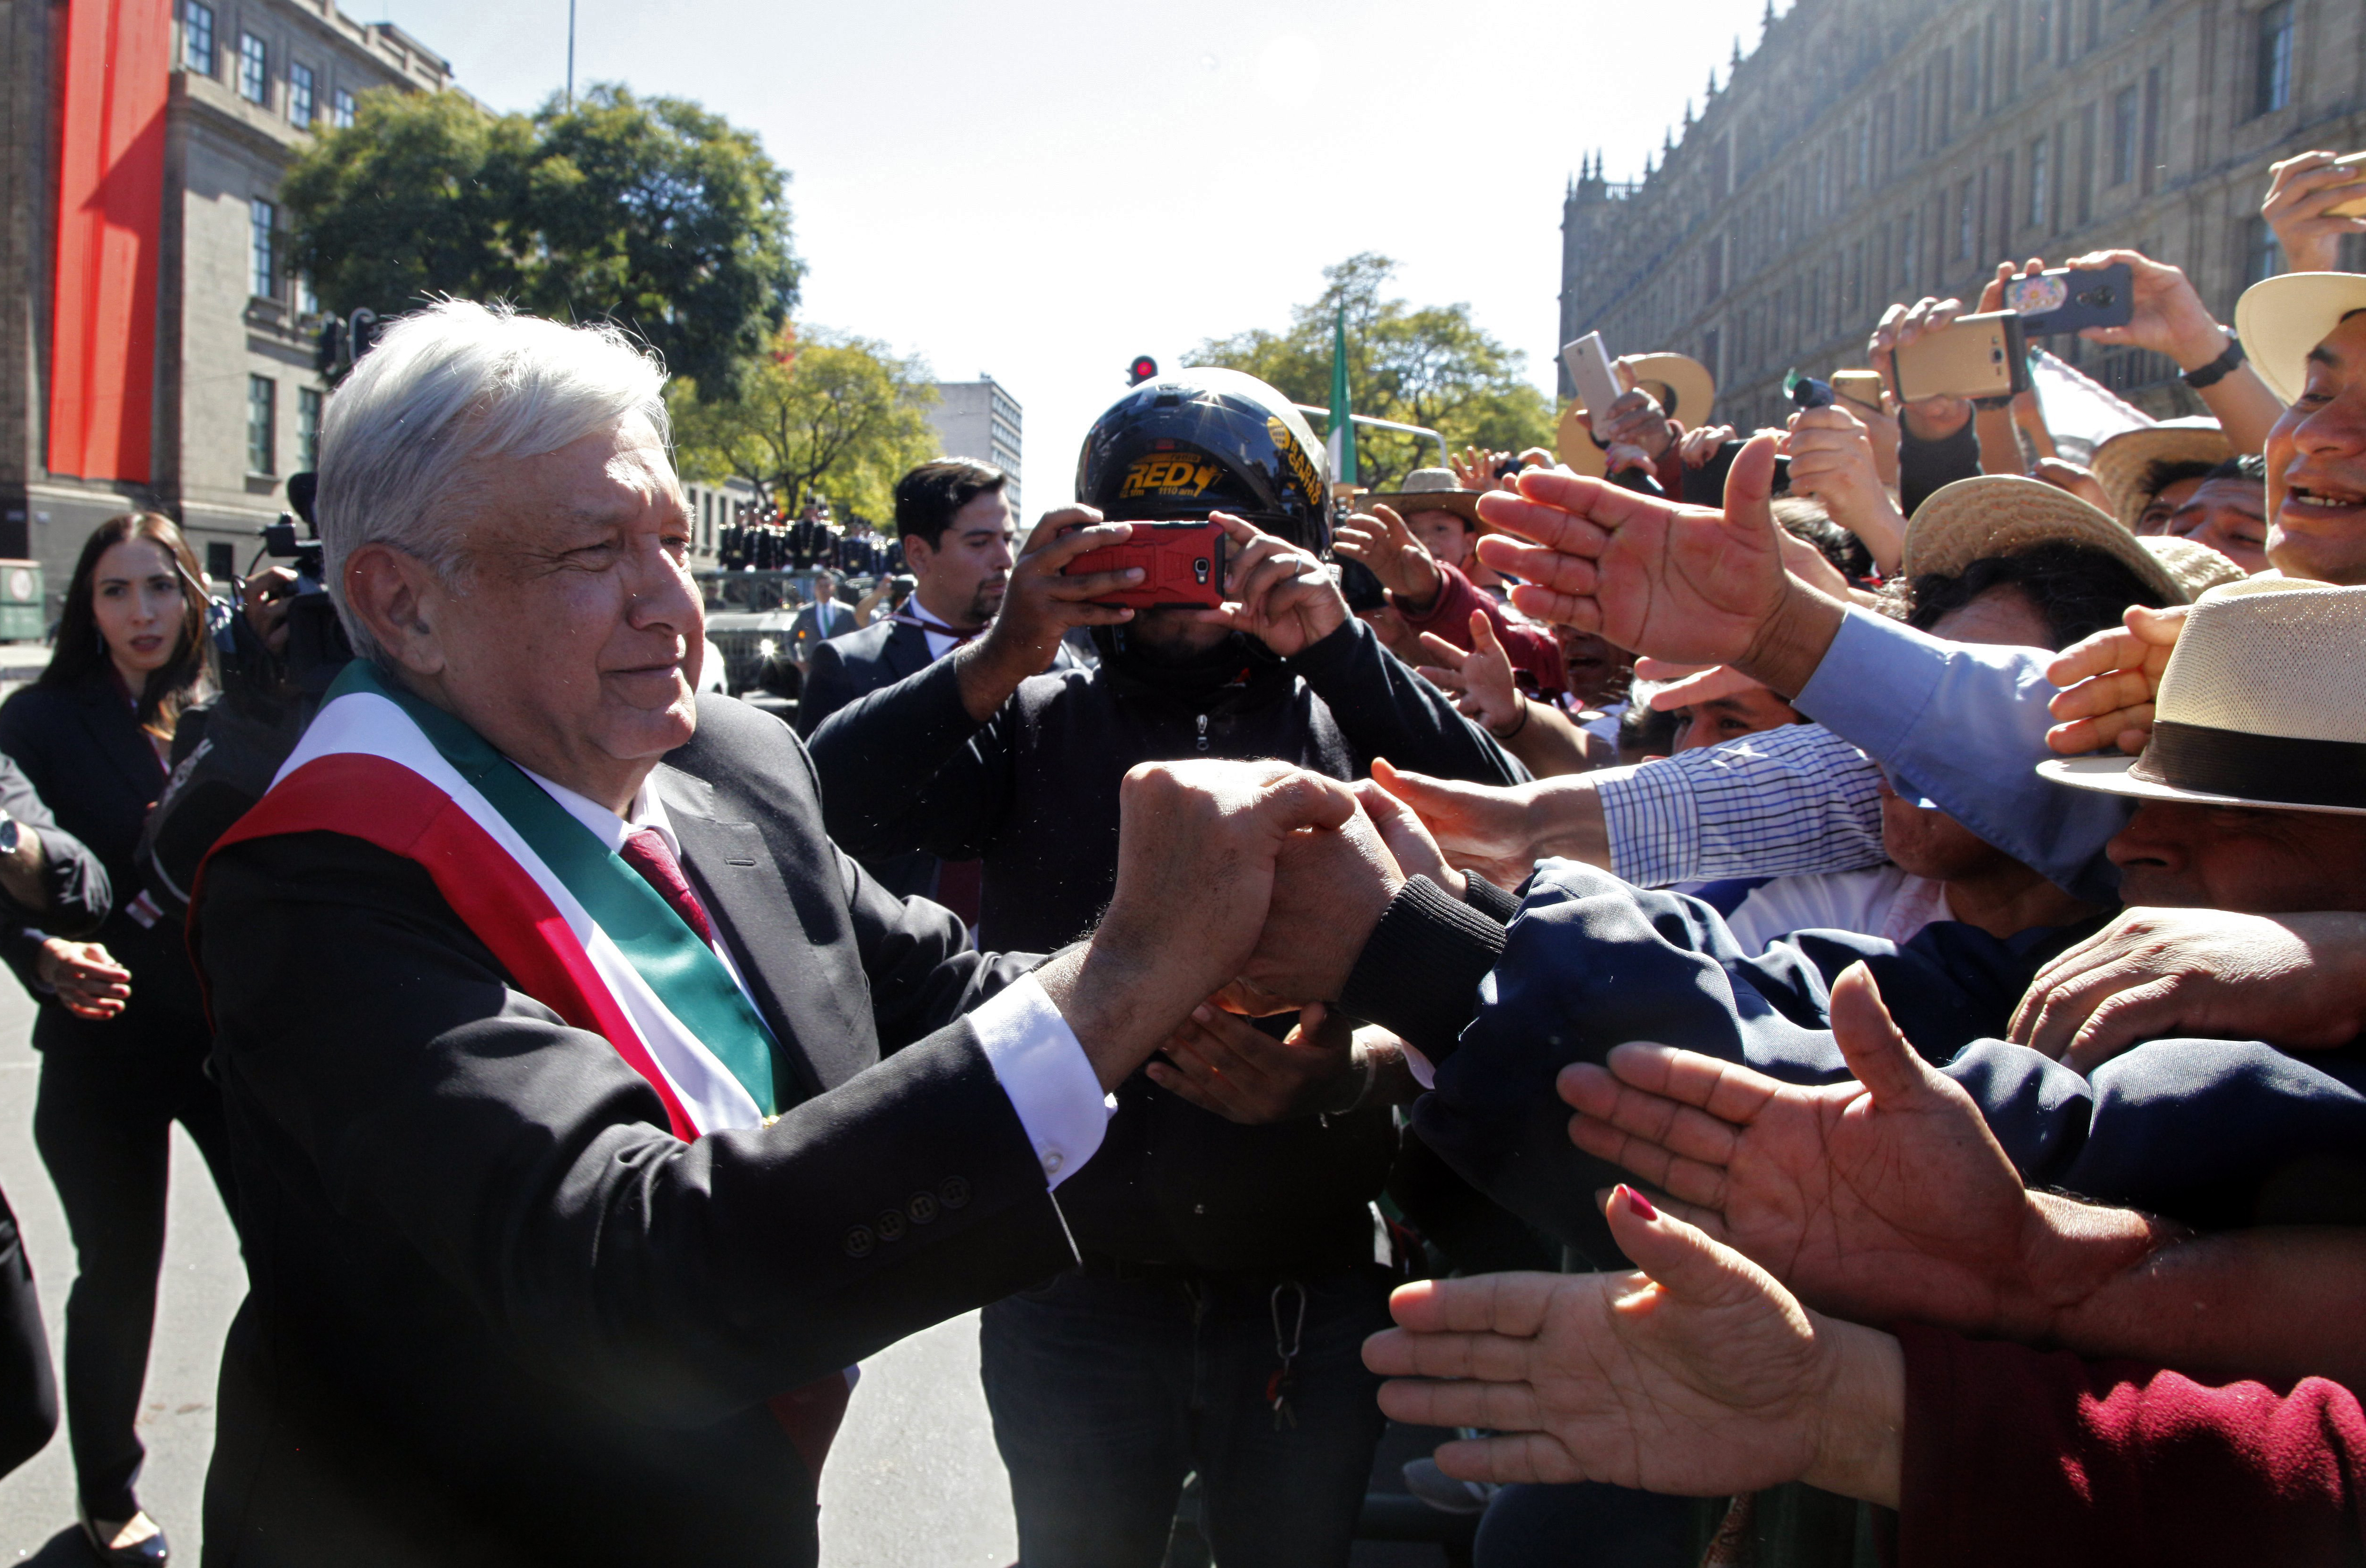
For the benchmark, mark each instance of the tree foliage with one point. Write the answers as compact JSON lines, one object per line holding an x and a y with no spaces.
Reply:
{"x":827,"y":413}
{"x":1430,"y":366}
{"x":651,"y":213}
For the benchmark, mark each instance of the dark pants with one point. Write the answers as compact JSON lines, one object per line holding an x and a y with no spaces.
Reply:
{"x":103,"y":1122}
{"x":1107,"y":1393}
{"x":29,"y":1396}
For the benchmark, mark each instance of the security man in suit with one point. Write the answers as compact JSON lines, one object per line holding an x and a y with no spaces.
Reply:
{"x":539,"y":1272}
{"x":954,"y":522}
{"x":819,"y":621}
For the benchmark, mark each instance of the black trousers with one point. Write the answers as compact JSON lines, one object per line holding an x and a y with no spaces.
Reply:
{"x":28,"y":1395}
{"x":103,"y":1121}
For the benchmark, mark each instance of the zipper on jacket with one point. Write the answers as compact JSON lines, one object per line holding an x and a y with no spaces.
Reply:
{"x":1203,"y":732}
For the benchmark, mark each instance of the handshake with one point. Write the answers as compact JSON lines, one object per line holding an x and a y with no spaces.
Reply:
{"x":1256,"y":878}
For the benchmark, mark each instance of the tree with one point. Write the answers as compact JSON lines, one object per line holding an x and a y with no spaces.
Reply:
{"x":829,"y":413}
{"x":653,"y":214}
{"x":1431,"y":366}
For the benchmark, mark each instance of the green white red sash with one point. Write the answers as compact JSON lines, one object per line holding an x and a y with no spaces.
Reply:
{"x":575,"y":927}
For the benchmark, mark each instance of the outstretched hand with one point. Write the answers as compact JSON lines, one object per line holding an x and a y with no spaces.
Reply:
{"x":1274,"y":591}
{"x":2108,"y":682}
{"x":1880,"y":1199}
{"x":1698,"y":1375}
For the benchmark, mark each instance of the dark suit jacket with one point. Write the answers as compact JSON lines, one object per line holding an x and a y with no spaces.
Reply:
{"x":496,"y":1314}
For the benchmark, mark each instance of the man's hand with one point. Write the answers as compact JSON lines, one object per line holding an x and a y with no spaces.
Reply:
{"x":2109,"y":680}
{"x":1198,"y":842}
{"x":2064,"y":475}
{"x":2296,"y":981}
{"x":1500,"y":831}
{"x":1475,"y":470}
{"x":1684,"y":583}
{"x":87,"y":979}
{"x":1480,"y":681}
{"x":1697,"y":447}
{"x":1221,"y":1062}
{"x":1329,"y":891}
{"x":264,"y":603}
{"x":1882,"y":1199}
{"x":1277,"y":592}
{"x":1404,"y":836}
{"x":2166,"y":315}
{"x":1927,"y":419}
{"x":1831,"y":459}
{"x":1698,"y":1375}
{"x":2300,"y":189}
{"x":1403,"y":563}
{"x":1636,"y":420}
{"x":1039,"y":607}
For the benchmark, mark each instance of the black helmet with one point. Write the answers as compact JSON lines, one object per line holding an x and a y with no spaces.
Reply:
{"x":1206,"y":440}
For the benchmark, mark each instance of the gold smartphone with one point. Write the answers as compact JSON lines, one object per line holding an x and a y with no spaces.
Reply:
{"x":1974,"y":356}
{"x":2356,"y":206}
{"x":1861,"y":387}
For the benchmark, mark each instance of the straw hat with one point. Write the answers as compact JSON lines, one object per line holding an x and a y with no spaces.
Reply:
{"x":2260,"y":705}
{"x":2122,"y":462}
{"x":2197,"y":567}
{"x":2003,"y":514}
{"x":2281,"y":319}
{"x":1680,"y":383}
{"x":1427,"y":489}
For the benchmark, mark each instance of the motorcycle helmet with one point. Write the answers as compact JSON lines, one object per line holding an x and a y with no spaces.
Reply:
{"x":1204,"y":440}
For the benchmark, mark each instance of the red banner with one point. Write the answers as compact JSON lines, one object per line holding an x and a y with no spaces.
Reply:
{"x":111,"y":217}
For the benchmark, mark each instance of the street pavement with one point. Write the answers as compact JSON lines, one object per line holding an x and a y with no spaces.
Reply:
{"x":913,"y":1482}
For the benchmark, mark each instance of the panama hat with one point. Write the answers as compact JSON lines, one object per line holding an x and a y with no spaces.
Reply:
{"x":2122,"y":462}
{"x":1427,"y":489}
{"x":2003,"y":514}
{"x":2260,"y":705}
{"x":2197,"y":567}
{"x":2281,"y":319}
{"x":1680,"y":383}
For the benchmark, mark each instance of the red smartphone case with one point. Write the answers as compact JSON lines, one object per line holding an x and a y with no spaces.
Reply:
{"x":1182,"y":566}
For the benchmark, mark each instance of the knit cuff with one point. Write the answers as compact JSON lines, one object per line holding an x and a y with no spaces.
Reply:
{"x":1418,"y":976}
{"x":1489,"y":899}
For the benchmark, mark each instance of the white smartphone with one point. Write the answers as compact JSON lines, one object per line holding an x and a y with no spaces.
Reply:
{"x":1596,"y":376}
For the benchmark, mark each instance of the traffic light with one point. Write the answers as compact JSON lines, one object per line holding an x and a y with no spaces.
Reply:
{"x":363,"y":332}
{"x":1143,"y":369}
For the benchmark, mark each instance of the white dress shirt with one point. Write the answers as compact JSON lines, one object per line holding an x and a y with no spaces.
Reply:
{"x":941,"y":641}
{"x":1034,"y":1054}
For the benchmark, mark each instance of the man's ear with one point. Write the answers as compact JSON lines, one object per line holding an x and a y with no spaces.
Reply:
{"x":396,"y":595}
{"x":918,"y":553}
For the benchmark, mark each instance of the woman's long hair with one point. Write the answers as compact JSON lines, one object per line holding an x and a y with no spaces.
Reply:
{"x":81,"y":651}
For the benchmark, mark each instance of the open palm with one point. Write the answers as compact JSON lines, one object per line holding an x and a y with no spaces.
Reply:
{"x":1687,"y":583}
{"x":1881,"y":1198}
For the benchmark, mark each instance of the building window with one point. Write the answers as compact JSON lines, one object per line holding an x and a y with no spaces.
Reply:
{"x":2262,"y":257}
{"x":1713,"y":269}
{"x":300,"y":94}
{"x":307,"y":426}
{"x":2126,"y":125}
{"x":254,"y":81}
{"x":197,"y":37}
{"x":263,"y":221}
{"x":308,"y":299}
{"x":340,"y":110}
{"x":2088,"y":117}
{"x":2039,"y":176}
{"x":2273,"y":80}
{"x":262,"y":398}
{"x":1965,"y":212}
{"x":221,"y":561}
{"x":2153,"y":162}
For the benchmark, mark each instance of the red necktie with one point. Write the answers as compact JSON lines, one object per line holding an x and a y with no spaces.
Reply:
{"x":810,"y":1414}
{"x":646,"y":853}
{"x":934,"y":629}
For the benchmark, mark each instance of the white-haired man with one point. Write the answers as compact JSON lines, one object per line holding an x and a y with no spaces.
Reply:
{"x":593,"y":1110}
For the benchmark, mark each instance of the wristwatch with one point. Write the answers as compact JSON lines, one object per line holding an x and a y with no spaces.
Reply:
{"x":12,"y":835}
{"x":2218,"y":370}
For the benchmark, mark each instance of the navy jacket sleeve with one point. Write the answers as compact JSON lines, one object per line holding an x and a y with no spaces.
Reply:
{"x":905,"y":768}
{"x":827,"y":689}
{"x":1386,"y":710}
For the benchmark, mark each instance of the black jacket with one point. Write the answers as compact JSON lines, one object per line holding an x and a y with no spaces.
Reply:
{"x":1034,"y":792}
{"x":496,"y":1314}
{"x":82,"y":750}
{"x":77,"y":893}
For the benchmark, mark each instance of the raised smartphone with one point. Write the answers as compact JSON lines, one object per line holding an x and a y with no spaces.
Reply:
{"x":2356,"y":206}
{"x":1974,"y":356}
{"x":1595,"y":375}
{"x":1182,"y":566}
{"x":2067,"y":298}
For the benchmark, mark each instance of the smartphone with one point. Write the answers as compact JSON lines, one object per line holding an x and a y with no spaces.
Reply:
{"x":1860,"y":386}
{"x":2066,"y":299}
{"x":1974,"y":356}
{"x":1705,"y":485}
{"x":2355,"y":207}
{"x":1182,"y":566}
{"x":1598,"y":378}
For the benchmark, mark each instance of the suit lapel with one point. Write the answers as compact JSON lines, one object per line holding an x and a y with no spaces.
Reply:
{"x":822,"y":1043}
{"x":907,"y":649}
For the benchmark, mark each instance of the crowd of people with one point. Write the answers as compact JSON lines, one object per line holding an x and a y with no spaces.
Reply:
{"x":1800,"y":989}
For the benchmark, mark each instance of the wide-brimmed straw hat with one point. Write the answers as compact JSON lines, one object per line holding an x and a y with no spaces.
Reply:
{"x":2281,"y":319}
{"x":1680,"y":383}
{"x":2260,"y":705}
{"x":1427,"y":489}
{"x":2122,"y":462}
{"x":2197,"y":567}
{"x":2003,"y":514}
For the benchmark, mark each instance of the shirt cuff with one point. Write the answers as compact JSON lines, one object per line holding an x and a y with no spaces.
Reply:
{"x":1041,"y":1067}
{"x":1418,"y":975}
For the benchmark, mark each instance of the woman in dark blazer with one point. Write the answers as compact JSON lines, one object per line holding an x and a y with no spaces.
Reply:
{"x":92,"y":735}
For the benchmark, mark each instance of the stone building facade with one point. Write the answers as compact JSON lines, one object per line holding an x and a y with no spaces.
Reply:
{"x":235,"y":402}
{"x":1872,"y":150}
{"x":980,"y":419}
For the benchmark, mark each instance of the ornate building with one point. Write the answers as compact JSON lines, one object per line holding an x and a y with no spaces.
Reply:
{"x":1872,"y":150}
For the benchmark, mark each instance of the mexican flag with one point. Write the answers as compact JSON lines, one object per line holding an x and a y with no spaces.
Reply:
{"x":1343,"y":424}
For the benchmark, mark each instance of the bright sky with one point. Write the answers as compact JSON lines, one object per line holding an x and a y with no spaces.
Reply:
{"x":1040,"y":191}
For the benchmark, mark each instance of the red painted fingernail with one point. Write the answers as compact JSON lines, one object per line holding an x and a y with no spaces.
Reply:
{"x":1640,"y":1204}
